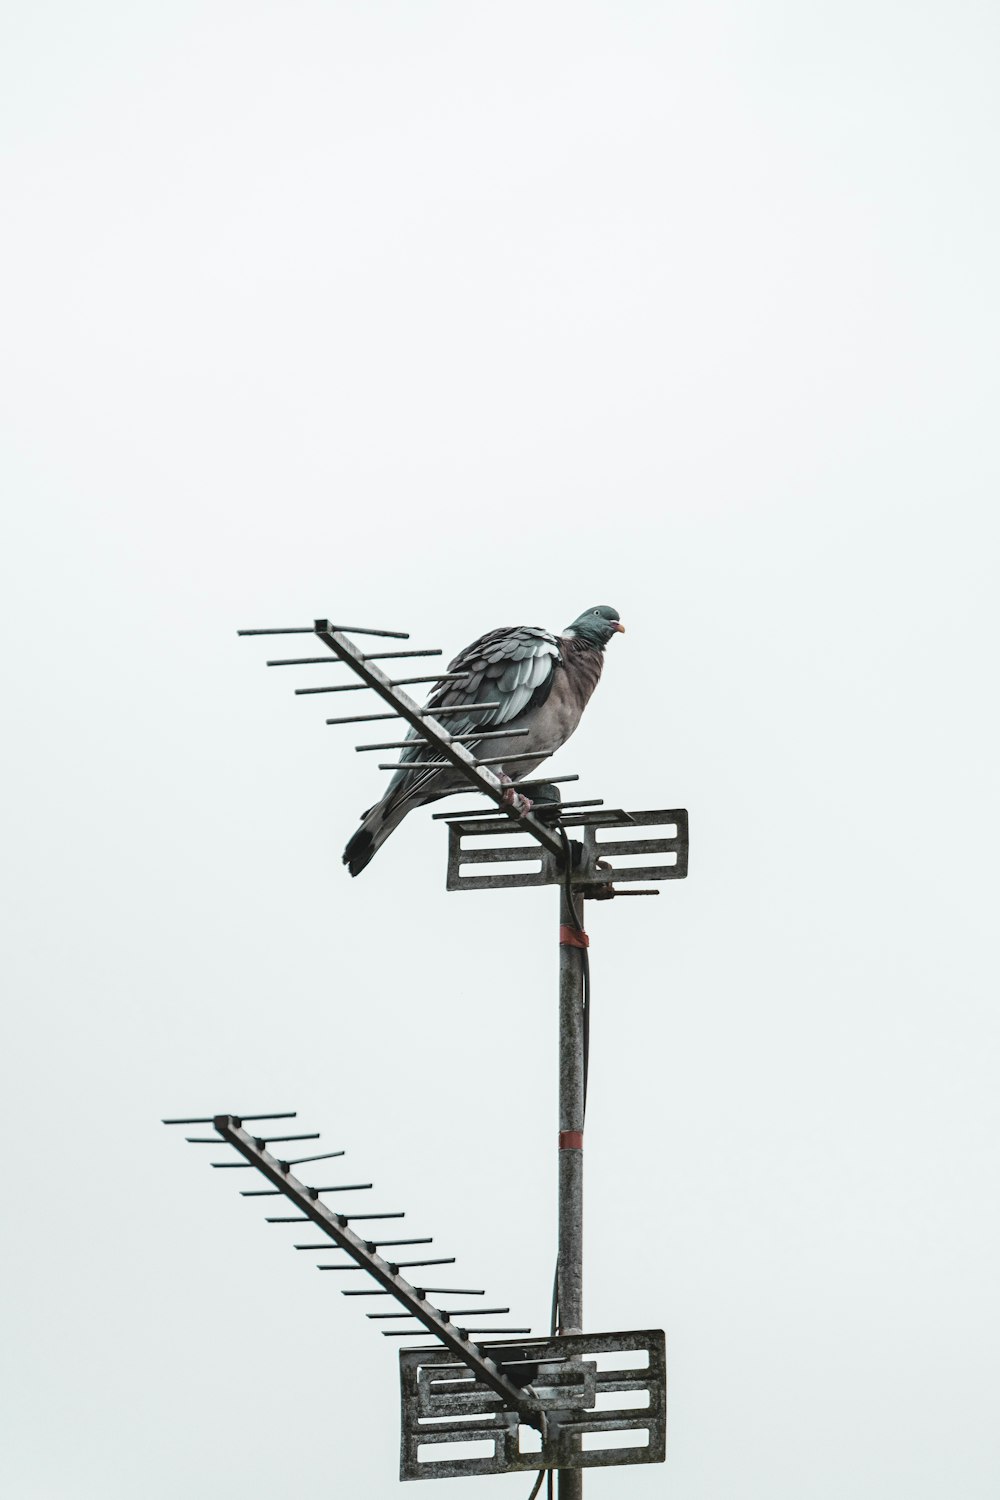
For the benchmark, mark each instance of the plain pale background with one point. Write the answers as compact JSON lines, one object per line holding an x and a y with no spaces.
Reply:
{"x":443,"y":316}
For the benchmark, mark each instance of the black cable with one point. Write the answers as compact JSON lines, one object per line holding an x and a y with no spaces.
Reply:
{"x":537,"y":1484}
{"x":578,"y":924}
{"x":586,"y":1028}
{"x":553,"y":1329}
{"x":585,"y":965}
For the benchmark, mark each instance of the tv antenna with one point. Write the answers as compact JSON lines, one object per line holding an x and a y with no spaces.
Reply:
{"x":570,"y":1400}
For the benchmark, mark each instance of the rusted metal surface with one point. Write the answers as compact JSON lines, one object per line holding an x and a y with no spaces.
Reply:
{"x":443,"y":1405}
{"x":600,"y":862}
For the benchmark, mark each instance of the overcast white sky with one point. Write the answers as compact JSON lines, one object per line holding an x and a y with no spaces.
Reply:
{"x":444,"y":316}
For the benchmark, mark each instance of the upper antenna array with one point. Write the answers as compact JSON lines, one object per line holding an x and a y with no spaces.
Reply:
{"x":598,"y":866}
{"x":447,"y":747}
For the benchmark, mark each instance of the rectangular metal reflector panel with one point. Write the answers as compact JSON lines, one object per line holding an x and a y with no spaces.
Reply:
{"x":445,"y":1410}
{"x":611,"y":845}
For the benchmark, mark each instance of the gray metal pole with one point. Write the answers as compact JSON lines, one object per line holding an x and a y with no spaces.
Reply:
{"x":570,"y":1281}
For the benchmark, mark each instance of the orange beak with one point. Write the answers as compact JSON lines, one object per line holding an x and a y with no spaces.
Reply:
{"x":619,"y":627}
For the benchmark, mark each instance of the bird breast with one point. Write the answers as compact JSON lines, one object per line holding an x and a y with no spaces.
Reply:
{"x":554,"y":721}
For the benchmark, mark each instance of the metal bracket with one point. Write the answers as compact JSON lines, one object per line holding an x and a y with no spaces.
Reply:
{"x":598,"y":865}
{"x":446,"y":1409}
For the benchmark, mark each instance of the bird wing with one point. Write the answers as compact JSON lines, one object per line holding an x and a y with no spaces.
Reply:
{"x":512,"y":667}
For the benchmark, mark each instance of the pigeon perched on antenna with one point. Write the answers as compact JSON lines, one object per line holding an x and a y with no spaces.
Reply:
{"x":541,"y":682}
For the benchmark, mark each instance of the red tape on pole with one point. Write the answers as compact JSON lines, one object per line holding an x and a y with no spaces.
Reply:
{"x":571,"y":1140}
{"x":573,"y":937}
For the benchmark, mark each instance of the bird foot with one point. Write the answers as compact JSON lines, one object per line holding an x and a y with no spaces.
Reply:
{"x":514,"y":800}
{"x":517,"y":803}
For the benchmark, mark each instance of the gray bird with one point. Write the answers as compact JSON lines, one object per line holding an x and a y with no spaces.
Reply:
{"x":541,"y":682}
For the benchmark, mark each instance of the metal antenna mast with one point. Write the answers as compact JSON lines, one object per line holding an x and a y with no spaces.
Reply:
{"x":461,"y":1390}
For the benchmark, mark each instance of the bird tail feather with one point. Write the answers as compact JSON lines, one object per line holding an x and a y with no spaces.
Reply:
{"x":376,"y":825}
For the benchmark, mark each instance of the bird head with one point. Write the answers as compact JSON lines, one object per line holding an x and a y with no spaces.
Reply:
{"x":596,"y":626}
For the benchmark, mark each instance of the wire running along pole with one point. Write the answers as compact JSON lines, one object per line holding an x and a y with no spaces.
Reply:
{"x":572,"y":1103}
